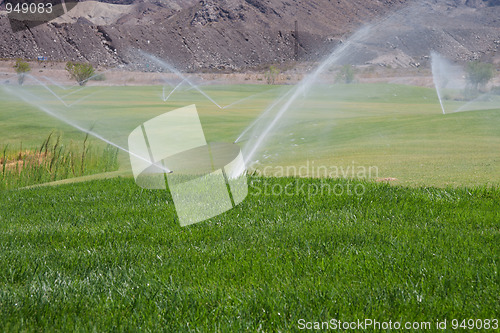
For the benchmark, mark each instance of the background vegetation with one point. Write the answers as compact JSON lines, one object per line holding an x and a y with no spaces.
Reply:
{"x":81,"y":72}
{"x":22,"y":68}
{"x":53,"y":161}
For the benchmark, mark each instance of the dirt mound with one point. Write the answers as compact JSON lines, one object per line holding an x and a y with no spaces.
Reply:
{"x":94,"y":13}
{"x":239,"y":34}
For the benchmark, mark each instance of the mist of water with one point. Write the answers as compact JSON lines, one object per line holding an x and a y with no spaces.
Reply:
{"x":301,"y":90}
{"x":166,"y":97}
{"x":263,"y":115}
{"x":285,"y":124}
{"x":60,"y":98}
{"x":31,"y":100}
{"x":56,"y":99}
{"x":174,"y":70}
{"x":437,"y":76}
{"x":452,"y":88}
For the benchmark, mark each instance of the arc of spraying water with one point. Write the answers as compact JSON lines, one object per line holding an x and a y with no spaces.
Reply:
{"x":49,"y":90}
{"x":469,"y":105}
{"x":177,"y":87}
{"x":303,"y":87}
{"x":178,"y":73}
{"x":58,"y":97}
{"x":435,"y":77}
{"x":82,"y":129}
{"x":82,"y":88}
{"x":267,"y":111}
{"x":55,"y":83}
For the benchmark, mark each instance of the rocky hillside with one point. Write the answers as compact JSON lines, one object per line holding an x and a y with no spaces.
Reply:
{"x":238,"y":34}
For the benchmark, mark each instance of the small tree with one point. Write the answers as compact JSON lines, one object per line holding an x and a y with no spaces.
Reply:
{"x":21,"y":67}
{"x":272,"y":74}
{"x":80,"y":72}
{"x":479,"y":74}
{"x":346,"y":74}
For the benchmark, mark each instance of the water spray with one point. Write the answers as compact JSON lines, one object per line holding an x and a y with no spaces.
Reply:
{"x":264,"y":114}
{"x":178,"y":73}
{"x":177,"y":87}
{"x":304,"y":86}
{"x":436,"y":75}
{"x":82,"y":129}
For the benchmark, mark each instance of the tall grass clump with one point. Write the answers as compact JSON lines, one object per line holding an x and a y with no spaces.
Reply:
{"x":53,"y":161}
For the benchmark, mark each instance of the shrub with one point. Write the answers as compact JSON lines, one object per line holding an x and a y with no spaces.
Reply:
{"x":478,"y":74}
{"x":81,"y":72}
{"x":272,"y":74}
{"x":21,"y":67}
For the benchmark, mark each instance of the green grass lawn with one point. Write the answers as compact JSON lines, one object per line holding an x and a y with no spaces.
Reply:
{"x":105,"y":255}
{"x":109,"y":256}
{"x":398,"y":129}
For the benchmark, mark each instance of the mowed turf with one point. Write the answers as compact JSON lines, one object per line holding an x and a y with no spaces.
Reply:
{"x":398,"y":129}
{"x":106,"y":255}
{"x":109,"y":256}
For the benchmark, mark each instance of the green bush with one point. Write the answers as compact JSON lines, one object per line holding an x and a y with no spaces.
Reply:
{"x":478,"y":74}
{"x":272,"y":74}
{"x":81,"y":72}
{"x":21,"y":67}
